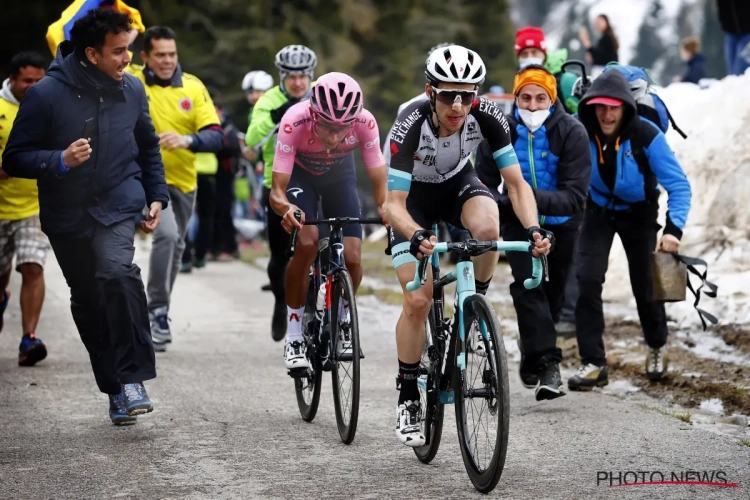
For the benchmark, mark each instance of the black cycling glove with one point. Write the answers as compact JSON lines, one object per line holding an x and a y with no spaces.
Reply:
{"x":417,"y":238}
{"x":278,"y":113}
{"x":544,"y":233}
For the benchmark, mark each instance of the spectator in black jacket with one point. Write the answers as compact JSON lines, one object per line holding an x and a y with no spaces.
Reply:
{"x":554,"y":154}
{"x":225,"y":236}
{"x":734,"y":16}
{"x":84,"y":132}
{"x":606,"y":48}
{"x":690,"y":52}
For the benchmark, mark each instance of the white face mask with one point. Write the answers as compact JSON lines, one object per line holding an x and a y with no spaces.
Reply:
{"x":533,"y":119}
{"x":530,"y":60}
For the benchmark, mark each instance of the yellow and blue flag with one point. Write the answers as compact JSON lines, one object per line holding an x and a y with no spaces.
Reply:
{"x":60,"y":29}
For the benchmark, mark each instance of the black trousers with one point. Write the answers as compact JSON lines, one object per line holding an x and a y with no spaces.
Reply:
{"x":538,"y":309}
{"x":108,"y":302}
{"x":224,"y":235}
{"x":637,"y":229}
{"x":278,"y":243}
{"x":568,"y":311}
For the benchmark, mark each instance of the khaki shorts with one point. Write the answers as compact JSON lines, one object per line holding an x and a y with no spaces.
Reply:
{"x":23,"y":239}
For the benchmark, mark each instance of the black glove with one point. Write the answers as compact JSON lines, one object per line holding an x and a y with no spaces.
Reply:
{"x":544,"y":233}
{"x":278,"y":113}
{"x":417,"y":238}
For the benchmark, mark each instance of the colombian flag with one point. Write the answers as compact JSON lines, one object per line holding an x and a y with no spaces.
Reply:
{"x":60,"y":29}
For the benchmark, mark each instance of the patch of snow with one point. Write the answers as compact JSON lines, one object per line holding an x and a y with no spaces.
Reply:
{"x":620,"y":388}
{"x":713,"y":405}
{"x":708,"y":346}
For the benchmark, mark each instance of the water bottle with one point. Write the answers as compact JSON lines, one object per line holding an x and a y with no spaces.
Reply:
{"x":320,"y":303}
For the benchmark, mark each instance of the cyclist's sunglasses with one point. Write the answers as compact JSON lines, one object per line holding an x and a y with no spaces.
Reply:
{"x":449,"y":96}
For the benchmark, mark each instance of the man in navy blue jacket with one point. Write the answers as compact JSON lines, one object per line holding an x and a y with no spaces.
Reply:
{"x":84,"y":132}
{"x":630,"y":156}
{"x":553,"y":151}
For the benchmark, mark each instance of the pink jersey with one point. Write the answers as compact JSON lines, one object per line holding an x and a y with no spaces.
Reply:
{"x":296,"y":143}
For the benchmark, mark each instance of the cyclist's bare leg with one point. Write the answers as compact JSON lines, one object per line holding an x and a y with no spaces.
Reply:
{"x":297,"y":272}
{"x":480,"y":216}
{"x":410,"y":333}
{"x":353,"y":259}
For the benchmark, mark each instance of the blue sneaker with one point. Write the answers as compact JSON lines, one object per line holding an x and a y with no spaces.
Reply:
{"x":118,"y":414}
{"x":136,"y":400}
{"x":31,"y":350}
{"x":3,"y":306}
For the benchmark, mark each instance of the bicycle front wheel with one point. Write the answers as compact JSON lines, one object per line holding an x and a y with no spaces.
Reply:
{"x":346,"y":353}
{"x":482,"y":398}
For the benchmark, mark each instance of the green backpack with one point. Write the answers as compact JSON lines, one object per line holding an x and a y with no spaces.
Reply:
{"x":555,"y":64}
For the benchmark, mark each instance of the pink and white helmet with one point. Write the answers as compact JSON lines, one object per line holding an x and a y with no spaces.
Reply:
{"x":337,"y":98}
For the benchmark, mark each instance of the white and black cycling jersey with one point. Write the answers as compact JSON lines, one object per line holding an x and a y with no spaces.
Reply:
{"x":417,"y":151}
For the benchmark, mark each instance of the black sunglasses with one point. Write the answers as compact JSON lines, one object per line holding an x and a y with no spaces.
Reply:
{"x":449,"y":96}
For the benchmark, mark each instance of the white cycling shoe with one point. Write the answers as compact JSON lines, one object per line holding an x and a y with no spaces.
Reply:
{"x":408,"y":424}
{"x":295,"y":355}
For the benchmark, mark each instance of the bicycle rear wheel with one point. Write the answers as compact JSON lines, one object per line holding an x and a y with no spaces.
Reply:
{"x":481,"y":390}
{"x":307,"y":383}
{"x":346,"y":349}
{"x":429,"y":392}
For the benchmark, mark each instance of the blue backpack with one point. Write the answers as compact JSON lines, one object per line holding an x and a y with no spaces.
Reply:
{"x":649,"y":104}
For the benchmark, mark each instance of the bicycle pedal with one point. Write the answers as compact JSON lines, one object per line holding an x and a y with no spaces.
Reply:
{"x":297,"y":372}
{"x":347,"y":357}
{"x":326,"y":364}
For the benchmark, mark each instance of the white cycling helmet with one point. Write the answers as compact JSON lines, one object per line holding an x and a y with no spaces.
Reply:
{"x":257,"y":80}
{"x":455,"y":64}
{"x":296,"y":59}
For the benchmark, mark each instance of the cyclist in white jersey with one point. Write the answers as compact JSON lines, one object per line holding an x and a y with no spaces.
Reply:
{"x":431,"y":178}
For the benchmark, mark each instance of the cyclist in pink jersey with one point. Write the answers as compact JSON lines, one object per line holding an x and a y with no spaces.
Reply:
{"x":314,"y":162}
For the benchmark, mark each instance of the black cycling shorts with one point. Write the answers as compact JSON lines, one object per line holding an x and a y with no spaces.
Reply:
{"x":334,"y":191}
{"x":431,"y":203}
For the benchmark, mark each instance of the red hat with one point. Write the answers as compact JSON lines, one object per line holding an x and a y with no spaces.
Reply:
{"x":607,"y":101}
{"x":530,"y":37}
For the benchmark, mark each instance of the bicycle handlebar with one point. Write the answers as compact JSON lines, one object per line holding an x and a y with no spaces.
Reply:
{"x":334,"y":221}
{"x":539,"y":264}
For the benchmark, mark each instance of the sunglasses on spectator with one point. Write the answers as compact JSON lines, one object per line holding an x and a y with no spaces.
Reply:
{"x":450,"y":96}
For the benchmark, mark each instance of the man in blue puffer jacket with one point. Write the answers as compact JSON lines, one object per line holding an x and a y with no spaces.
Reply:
{"x":630,"y":156}
{"x":553,"y":151}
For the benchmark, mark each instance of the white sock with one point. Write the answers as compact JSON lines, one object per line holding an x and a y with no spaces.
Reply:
{"x":295,"y":326}
{"x":343,"y":310}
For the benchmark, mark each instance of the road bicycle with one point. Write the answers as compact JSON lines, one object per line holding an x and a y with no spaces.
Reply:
{"x":330,"y":341}
{"x":454,"y":348}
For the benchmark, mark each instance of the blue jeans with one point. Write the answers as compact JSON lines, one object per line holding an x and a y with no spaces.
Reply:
{"x":735,"y":46}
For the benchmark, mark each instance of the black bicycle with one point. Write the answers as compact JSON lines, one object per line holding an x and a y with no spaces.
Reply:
{"x":331,"y":340}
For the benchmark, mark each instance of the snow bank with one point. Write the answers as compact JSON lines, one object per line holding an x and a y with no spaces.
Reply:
{"x":716,"y":159}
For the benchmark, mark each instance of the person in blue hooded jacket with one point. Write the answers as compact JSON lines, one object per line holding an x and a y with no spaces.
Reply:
{"x":553,"y":151}
{"x":85,"y":134}
{"x":630,"y":157}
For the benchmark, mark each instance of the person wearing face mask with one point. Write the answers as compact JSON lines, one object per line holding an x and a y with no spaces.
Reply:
{"x":555,"y":159}
{"x":531,"y":46}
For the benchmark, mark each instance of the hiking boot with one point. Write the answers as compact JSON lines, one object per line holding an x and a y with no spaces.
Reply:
{"x":656,"y":363}
{"x":199,"y":263}
{"x":550,"y":383}
{"x":186,"y":267}
{"x":3,"y":307}
{"x":118,"y":414}
{"x":31,"y":351}
{"x":588,"y":377}
{"x":135,"y":399}
{"x":529,"y":376}
{"x":279,"y":321}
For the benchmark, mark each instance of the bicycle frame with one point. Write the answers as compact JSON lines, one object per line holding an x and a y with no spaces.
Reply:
{"x":463,"y":275}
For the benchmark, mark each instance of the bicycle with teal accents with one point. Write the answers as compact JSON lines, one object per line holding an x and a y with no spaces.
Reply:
{"x":446,"y":372}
